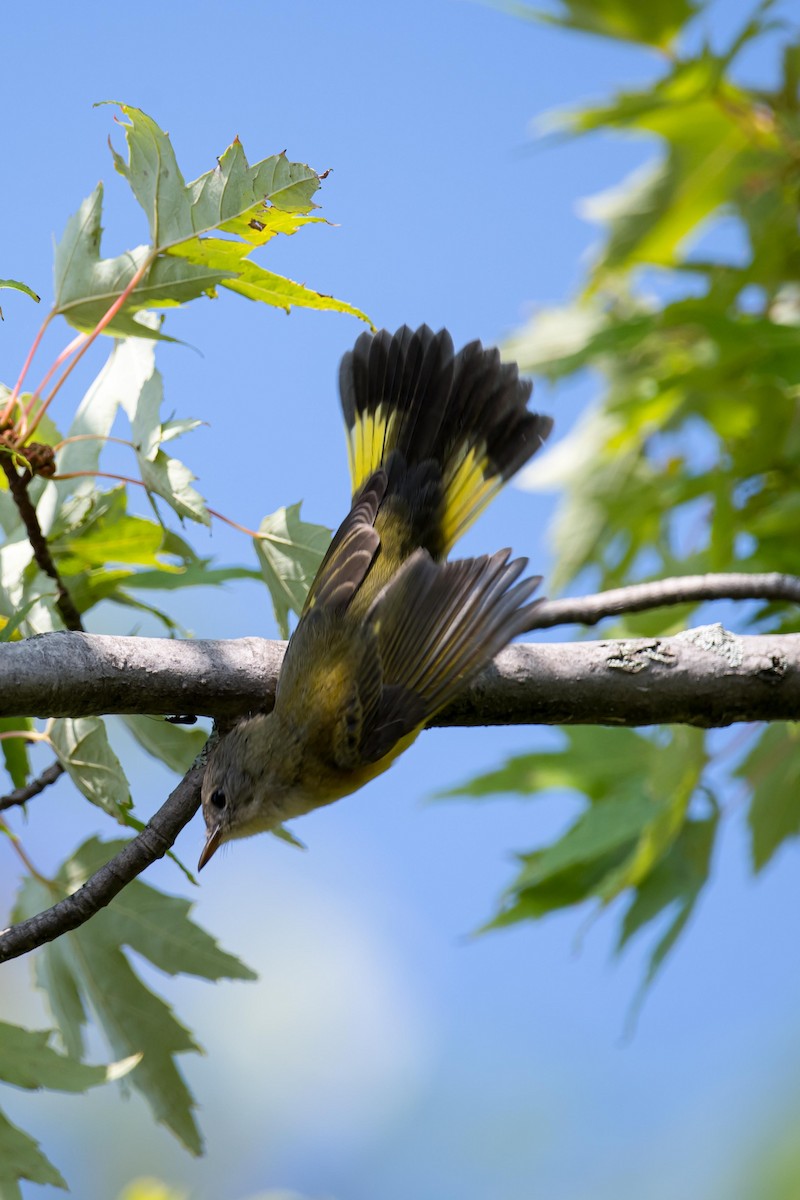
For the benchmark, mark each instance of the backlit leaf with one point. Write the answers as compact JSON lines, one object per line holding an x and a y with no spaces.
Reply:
{"x":289,"y":553}
{"x":83,"y":749}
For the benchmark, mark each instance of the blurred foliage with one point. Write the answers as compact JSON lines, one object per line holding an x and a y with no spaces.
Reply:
{"x":687,"y":462}
{"x":106,"y":554}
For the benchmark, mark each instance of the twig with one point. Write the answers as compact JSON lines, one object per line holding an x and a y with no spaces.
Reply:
{"x":18,"y":485}
{"x":152,"y":843}
{"x":19,"y":850}
{"x":687,"y":589}
{"x":22,"y":795}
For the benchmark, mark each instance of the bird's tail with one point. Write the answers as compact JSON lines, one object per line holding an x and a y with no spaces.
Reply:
{"x":449,"y":430}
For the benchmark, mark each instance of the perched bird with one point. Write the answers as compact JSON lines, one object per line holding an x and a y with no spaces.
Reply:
{"x":390,"y":632}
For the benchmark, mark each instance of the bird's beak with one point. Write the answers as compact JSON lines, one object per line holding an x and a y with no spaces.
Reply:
{"x":213,"y":842}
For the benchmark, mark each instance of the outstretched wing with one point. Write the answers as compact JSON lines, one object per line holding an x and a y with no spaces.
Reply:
{"x":350,"y":554}
{"x":428,"y":633}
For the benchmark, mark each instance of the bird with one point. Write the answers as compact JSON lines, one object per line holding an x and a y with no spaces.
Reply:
{"x":391,"y":630}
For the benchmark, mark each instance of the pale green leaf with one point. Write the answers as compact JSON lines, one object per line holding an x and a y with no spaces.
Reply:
{"x":175,"y":745}
{"x":289,"y":553}
{"x":21,"y":1158}
{"x":91,"y":965}
{"x":172,"y":481}
{"x":86,"y":285}
{"x":162,"y":475}
{"x":83,"y":749}
{"x":250,"y":203}
{"x":27,"y":1060}
{"x":16,"y":286}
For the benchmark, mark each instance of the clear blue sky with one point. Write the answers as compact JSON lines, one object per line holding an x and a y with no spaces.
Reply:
{"x":384,"y":1054}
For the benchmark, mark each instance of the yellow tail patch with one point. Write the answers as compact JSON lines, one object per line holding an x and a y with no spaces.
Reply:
{"x":469,"y":485}
{"x":369,"y":442}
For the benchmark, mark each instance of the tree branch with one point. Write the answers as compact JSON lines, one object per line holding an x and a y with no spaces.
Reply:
{"x":153,"y":842}
{"x":22,"y":795}
{"x":18,"y":486}
{"x":685,"y":589}
{"x":705,"y":677}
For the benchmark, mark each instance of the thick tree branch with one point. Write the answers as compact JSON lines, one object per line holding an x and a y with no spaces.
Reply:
{"x":685,"y":589}
{"x":704,"y":676}
{"x":153,"y":842}
{"x":22,"y":795}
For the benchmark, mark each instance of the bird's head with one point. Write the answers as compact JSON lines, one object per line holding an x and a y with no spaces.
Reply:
{"x":243,"y":789}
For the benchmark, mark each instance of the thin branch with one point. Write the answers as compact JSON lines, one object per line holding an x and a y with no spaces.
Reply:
{"x":19,"y":850}
{"x":687,"y":589}
{"x":22,"y":795}
{"x":18,"y":486}
{"x":152,"y":843}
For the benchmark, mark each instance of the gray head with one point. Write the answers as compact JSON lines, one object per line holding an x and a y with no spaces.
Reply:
{"x":238,"y":785}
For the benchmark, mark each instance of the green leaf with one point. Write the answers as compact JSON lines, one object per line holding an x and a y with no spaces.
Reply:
{"x":672,"y":887}
{"x":21,"y":1158}
{"x":772,"y":770}
{"x":86,"y":285}
{"x":87,"y":969}
{"x":18,"y":287}
{"x":289,"y":553}
{"x":27,"y":1060}
{"x":15,"y":750}
{"x":162,"y":475}
{"x":82,"y":747}
{"x":249,"y":203}
{"x":174,"y":745}
{"x":638,"y":791}
{"x":655,"y":23}
{"x":119,"y":382}
{"x":255,"y":283}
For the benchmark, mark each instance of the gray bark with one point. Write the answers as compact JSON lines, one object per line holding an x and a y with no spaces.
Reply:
{"x":704,"y":676}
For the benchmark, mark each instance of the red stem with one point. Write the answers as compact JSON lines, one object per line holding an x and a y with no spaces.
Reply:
{"x":212,"y":512}
{"x":107,"y":317}
{"x":12,"y":400}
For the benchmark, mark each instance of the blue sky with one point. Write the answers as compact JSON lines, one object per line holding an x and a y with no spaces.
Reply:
{"x":384,"y":1053}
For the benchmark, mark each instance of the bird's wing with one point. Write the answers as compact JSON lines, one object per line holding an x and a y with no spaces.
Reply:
{"x":351,"y":552}
{"x":431,"y":629}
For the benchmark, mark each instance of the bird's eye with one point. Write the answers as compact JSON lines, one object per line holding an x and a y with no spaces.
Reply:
{"x":218,"y":799}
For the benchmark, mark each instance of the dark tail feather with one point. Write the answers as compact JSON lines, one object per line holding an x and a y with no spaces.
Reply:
{"x":450,"y":429}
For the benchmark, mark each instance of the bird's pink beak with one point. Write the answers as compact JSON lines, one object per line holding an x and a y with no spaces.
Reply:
{"x":213,"y":842}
